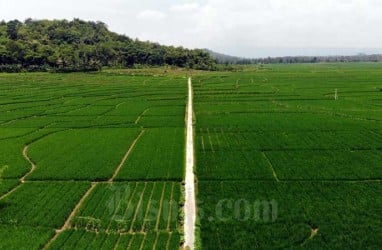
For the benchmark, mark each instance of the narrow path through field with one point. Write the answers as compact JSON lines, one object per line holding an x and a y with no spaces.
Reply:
{"x":270,"y":166}
{"x":126,"y":156}
{"x":190,"y":204}
{"x":25,"y":154}
{"x":33,"y":166}
{"x":71,"y":216}
{"x":140,"y":116}
{"x":22,"y":179}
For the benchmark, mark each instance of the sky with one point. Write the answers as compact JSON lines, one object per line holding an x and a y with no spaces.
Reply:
{"x":247,"y":28}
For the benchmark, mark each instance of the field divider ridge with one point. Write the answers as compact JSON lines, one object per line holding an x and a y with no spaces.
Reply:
{"x":25,"y":155}
{"x":270,"y":166}
{"x":140,"y":116}
{"x":126,"y":156}
{"x":71,"y":216}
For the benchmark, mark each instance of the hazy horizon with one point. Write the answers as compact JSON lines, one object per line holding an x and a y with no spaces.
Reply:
{"x":284,"y":52}
{"x":244,"y":28}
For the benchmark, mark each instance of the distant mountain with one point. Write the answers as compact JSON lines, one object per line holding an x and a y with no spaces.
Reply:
{"x":227,"y":59}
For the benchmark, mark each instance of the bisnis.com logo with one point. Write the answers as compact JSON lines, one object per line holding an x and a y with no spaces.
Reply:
{"x":239,"y":210}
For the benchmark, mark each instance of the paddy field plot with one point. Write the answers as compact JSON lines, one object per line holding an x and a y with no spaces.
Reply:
{"x":96,"y":160}
{"x":282,"y":164}
{"x":71,"y":142}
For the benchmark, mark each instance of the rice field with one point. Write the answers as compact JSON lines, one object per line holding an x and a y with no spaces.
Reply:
{"x":284,"y":163}
{"x":97,"y":160}
{"x":91,"y":161}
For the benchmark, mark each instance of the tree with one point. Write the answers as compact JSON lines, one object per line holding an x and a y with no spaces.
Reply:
{"x":12,"y":27}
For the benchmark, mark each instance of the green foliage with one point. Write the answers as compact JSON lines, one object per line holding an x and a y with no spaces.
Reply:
{"x":276,"y":133}
{"x":5,"y":186}
{"x":21,"y":237}
{"x":90,"y":154}
{"x":130,"y":207}
{"x":82,"y":239}
{"x":42,"y":204}
{"x":343,"y":212}
{"x":158,"y":155}
{"x":66,"y":46}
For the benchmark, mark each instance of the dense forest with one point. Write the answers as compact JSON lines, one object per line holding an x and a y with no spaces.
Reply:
{"x":61,"y":45}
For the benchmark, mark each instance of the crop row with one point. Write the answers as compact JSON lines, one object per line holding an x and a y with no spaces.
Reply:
{"x":247,"y":214}
{"x":283,"y":122}
{"x":41,"y":204}
{"x":24,"y":237}
{"x":158,"y":155}
{"x":219,"y":139}
{"x":327,"y":164}
{"x":232,"y":165}
{"x":80,"y":239}
{"x":90,"y":154}
{"x":131,"y":207}
{"x":7,"y":184}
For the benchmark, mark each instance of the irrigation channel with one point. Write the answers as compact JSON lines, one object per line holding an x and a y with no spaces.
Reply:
{"x":190,"y":204}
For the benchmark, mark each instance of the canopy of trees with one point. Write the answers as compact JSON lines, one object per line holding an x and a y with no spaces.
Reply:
{"x":61,"y":45}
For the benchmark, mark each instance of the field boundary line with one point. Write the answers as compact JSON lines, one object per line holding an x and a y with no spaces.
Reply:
{"x":26,"y":157}
{"x":130,"y":242}
{"x":143,"y":242}
{"x":137,"y":209}
{"x":156,"y":241}
{"x":168,"y":241}
{"x":77,"y":207}
{"x":270,"y":166}
{"x":130,"y":201}
{"x":117,"y":208}
{"x":202,"y":141}
{"x":71,"y":216}
{"x":11,"y":191}
{"x":148,"y":208}
{"x":117,"y":242}
{"x":209,"y":139}
{"x":170,"y":209}
{"x":116,"y":172}
{"x":25,"y":154}
{"x":131,"y":230}
{"x":293,"y":180}
{"x":140,"y":116}
{"x":160,"y":207}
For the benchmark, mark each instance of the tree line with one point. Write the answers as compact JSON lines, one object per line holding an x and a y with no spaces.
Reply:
{"x":233,"y":60}
{"x":62,"y":45}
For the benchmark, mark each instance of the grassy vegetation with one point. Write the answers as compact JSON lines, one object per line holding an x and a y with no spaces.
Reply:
{"x":21,"y":237}
{"x":344,"y":213}
{"x":90,"y":154}
{"x":59,"y":132}
{"x":277,"y":134}
{"x":158,"y":155}
{"x":266,"y":133}
{"x":6,"y":185}
{"x":138,"y":207}
{"x":79,"y":239}
{"x":41,"y":204}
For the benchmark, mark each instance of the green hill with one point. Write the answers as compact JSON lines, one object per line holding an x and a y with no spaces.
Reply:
{"x":61,"y":45}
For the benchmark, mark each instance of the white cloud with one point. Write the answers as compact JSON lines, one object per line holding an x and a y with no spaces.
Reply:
{"x":185,"y":7}
{"x":151,"y":15}
{"x":241,"y":27}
